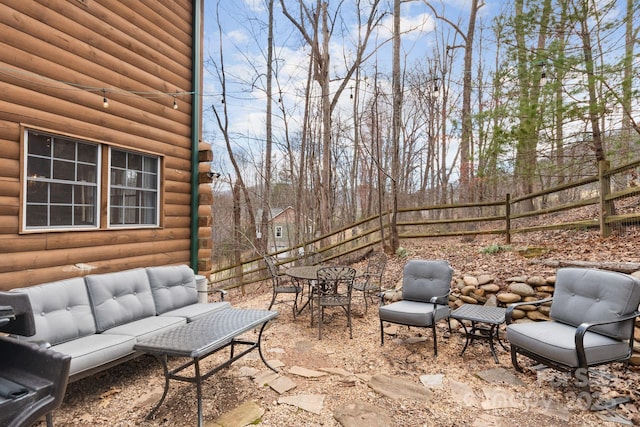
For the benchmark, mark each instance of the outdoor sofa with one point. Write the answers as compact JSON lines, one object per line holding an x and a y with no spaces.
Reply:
{"x":97,"y":319}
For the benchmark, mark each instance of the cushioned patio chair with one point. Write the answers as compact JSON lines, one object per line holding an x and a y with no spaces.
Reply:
{"x":592,"y":314}
{"x":426,"y":285}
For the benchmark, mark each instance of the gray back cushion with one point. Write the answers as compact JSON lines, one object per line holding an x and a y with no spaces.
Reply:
{"x":424,"y":279}
{"x":61,"y":310}
{"x":172,"y":287}
{"x":590,"y":295}
{"x":118,"y":298}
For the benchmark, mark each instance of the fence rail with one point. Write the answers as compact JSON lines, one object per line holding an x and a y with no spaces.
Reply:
{"x":609,"y":201}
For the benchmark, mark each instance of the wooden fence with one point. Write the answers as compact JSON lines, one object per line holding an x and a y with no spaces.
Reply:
{"x":608,"y":201}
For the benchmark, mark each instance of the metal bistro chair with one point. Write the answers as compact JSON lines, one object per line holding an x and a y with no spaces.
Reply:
{"x":370,"y":282}
{"x":333,"y":289}
{"x":282,"y":284}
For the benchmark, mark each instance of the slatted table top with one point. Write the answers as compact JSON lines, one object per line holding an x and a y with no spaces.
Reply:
{"x":480,"y":313}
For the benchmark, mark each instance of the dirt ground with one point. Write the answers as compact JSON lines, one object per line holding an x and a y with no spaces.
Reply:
{"x":122,"y":396}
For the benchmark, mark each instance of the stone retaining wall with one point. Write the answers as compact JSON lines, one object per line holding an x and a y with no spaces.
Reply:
{"x":483,"y":289}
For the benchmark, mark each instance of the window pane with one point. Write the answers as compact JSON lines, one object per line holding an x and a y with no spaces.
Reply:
{"x":64,"y":170}
{"x":118,"y":159}
{"x":39,"y":144}
{"x":87,"y":153}
{"x":37,"y":192}
{"x":37,"y":216}
{"x":135,"y":162}
{"x":63,"y":149}
{"x":85,"y":195}
{"x":61,"y":215}
{"x":61,"y":191}
{"x":133,"y":190}
{"x":38,"y":167}
{"x":118,"y":177}
{"x":84,"y":215}
{"x":87,"y":173}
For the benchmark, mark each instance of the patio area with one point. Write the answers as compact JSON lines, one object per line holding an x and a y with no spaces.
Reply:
{"x":340,"y":381}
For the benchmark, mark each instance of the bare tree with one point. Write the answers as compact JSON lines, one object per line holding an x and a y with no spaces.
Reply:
{"x":316,"y":27}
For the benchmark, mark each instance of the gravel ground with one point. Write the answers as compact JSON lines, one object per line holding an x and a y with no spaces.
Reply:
{"x":123,"y":395}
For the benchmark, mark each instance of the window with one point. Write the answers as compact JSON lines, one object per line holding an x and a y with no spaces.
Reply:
{"x":133,"y":190}
{"x":278,"y":231}
{"x":63,"y":187}
{"x":61,"y":183}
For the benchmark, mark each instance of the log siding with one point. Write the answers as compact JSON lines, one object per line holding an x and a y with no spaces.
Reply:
{"x":57,"y":61}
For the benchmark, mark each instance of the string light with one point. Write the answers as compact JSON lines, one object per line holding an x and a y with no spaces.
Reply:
{"x":175,"y":103}
{"x":105,"y":101}
{"x":49,"y":82}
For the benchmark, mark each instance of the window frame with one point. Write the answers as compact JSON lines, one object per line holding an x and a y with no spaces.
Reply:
{"x":103,"y":169}
{"x":110,"y":187}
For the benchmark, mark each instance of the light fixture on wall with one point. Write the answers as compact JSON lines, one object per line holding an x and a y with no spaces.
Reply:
{"x":105,"y":101}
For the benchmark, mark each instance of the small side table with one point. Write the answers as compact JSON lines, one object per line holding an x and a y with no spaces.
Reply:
{"x":487,"y":315}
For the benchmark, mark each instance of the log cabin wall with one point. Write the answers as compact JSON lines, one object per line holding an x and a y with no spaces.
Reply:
{"x":58,"y":60}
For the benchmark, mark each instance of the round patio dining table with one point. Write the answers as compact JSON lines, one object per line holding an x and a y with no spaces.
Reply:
{"x":309,"y":273}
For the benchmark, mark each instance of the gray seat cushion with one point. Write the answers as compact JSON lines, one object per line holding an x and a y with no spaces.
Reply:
{"x":144,"y":328}
{"x":556,"y":341}
{"x":172,"y":287}
{"x":95,"y":350}
{"x":61,"y":311}
{"x":195,"y":311}
{"x":119,"y":298}
{"x":412,"y":313}
{"x":589,"y":295}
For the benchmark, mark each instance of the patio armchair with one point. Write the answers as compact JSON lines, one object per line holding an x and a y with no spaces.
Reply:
{"x":333,"y":289}
{"x":370,"y":282}
{"x":592,"y":312}
{"x":426,"y":285}
{"x":282,"y":284}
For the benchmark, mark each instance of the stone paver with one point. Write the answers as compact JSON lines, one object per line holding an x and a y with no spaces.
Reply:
{"x":499,"y":398}
{"x":399,"y":388}
{"x":246,"y":414}
{"x":433,"y":381}
{"x":306,"y":373}
{"x":359,"y":414}
{"x":463,"y":394}
{"x":309,"y":402}
{"x":282,"y":385}
{"x":500,"y":375}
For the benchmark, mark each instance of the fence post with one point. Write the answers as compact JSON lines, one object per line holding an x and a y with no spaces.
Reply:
{"x":606,"y":206}
{"x":507,"y":218}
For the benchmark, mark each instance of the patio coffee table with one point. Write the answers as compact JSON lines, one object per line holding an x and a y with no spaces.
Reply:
{"x":492,"y":316}
{"x":201,"y":338}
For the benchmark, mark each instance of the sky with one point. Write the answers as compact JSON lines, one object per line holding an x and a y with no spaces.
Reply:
{"x":240,"y":27}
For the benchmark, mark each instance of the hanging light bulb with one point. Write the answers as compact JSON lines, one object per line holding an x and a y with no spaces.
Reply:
{"x":543,"y":78}
{"x":175,"y":103}
{"x":105,"y":101}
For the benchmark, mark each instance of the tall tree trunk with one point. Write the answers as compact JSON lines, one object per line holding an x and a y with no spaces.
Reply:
{"x":594,"y":107}
{"x":263,"y":243}
{"x":627,"y":94}
{"x":394,"y":242}
{"x":466,"y":192}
